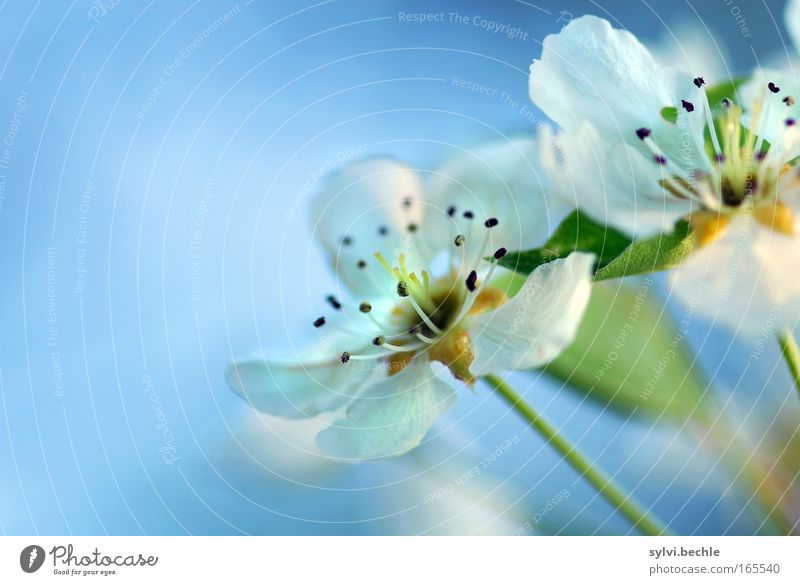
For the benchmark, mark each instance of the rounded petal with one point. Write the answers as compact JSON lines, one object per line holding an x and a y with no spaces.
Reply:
{"x":391,"y":416}
{"x":591,"y":71}
{"x":503,"y":181}
{"x":744,"y":280}
{"x":538,"y":322}
{"x":300,"y":388}
{"x":612,"y":182}
{"x":369,"y":207}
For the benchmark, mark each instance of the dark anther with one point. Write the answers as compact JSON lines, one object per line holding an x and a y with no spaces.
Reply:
{"x":720,"y":157}
{"x":761,"y":155}
{"x":643,"y":133}
{"x":726,"y":102}
{"x":412,"y":228}
{"x":773,"y":88}
{"x":468,"y":214}
{"x":345,"y":357}
{"x":380,"y":340}
{"x":688,"y":106}
{"x":500,"y":253}
{"x":471,"y":280}
{"x":660,"y":159}
{"x":789,"y":122}
{"x":451,"y":211}
{"x":383,"y":230}
{"x":491,"y":222}
{"x":459,"y":241}
{"x":334,"y":302}
{"x":365,"y":307}
{"x":407,"y":202}
{"x":361,"y":264}
{"x":319,"y":322}
{"x":699,"y":81}
{"x":347,"y":241}
{"x":788,"y":100}
{"x":402,"y":289}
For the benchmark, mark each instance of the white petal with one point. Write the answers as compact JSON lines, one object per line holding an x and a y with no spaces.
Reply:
{"x":792,"y":20}
{"x":503,"y":181}
{"x":538,"y":322}
{"x":590,"y":71}
{"x":356,"y":203}
{"x":612,"y":182}
{"x":300,"y":388}
{"x":390,"y":417}
{"x":745,"y":280}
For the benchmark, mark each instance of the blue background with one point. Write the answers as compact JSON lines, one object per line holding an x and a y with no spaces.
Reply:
{"x":115,"y":416}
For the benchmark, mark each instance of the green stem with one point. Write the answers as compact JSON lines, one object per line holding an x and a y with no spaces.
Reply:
{"x":625,"y":504}
{"x":791,"y":354}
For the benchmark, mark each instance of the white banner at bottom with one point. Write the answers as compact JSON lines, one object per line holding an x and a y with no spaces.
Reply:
{"x":389,"y":560}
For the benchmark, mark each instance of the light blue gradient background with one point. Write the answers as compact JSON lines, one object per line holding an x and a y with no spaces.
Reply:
{"x":261,"y":106}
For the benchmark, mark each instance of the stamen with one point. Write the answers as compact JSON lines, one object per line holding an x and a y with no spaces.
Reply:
{"x":334,"y":302}
{"x":412,"y":228}
{"x":699,"y":81}
{"x":383,"y":230}
{"x":423,"y":315}
{"x":319,"y":322}
{"x":471,"y":280}
{"x":402,"y":289}
{"x":643,"y":133}
{"x":712,"y":129}
{"x":661,"y":159}
{"x":361,"y":264}
{"x":365,"y":307}
{"x":468,"y":215}
{"x":459,"y":241}
{"x":407,"y":202}
{"x":424,"y":339}
{"x":347,"y":240}
{"x":416,"y":331}
{"x":789,"y":101}
{"x":379,"y":340}
{"x":491,"y":222}
{"x":773,"y":88}
{"x":451,"y":211}
{"x":475,"y":293}
{"x":393,"y":349}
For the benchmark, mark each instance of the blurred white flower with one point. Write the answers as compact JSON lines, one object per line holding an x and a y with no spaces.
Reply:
{"x":412,"y":261}
{"x":635,"y":156}
{"x":690,"y":47}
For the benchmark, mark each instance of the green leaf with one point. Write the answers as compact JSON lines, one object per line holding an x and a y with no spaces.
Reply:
{"x":716,"y":93}
{"x":629,"y":355}
{"x":617,"y":255}
{"x":576,"y":232}
{"x":654,"y":254}
{"x":670,"y":114}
